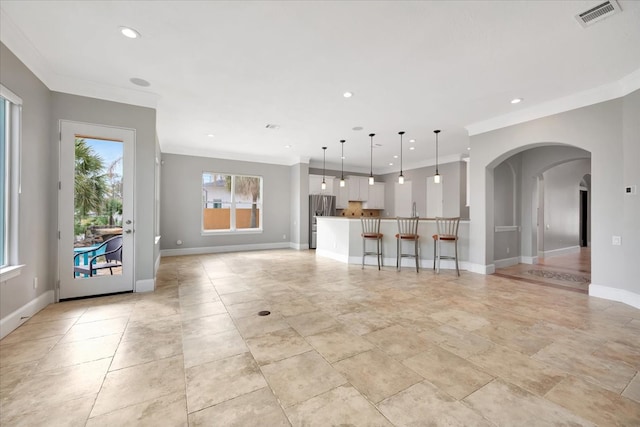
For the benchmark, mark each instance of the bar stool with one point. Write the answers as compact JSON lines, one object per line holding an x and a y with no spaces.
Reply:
{"x":407,"y":232}
{"x":371,"y":231}
{"x":447,"y":232}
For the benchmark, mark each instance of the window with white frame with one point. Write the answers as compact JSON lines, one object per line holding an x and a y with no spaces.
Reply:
{"x":231,"y":203}
{"x":10,"y":115}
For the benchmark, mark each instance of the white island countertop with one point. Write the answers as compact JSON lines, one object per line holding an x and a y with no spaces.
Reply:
{"x":339,"y":239}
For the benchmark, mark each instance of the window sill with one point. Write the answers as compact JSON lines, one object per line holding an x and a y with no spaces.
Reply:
{"x":10,"y":272}
{"x":217,"y":232}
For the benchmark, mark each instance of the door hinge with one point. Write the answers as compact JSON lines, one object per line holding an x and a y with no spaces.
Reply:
{"x":58,"y":234}
{"x":59,"y":185}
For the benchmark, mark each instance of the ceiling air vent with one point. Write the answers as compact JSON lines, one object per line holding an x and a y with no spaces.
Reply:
{"x":598,"y":13}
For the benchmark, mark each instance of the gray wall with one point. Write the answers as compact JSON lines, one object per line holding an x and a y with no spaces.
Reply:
{"x":143,"y":120}
{"x":37,"y":217}
{"x":299,"y":227}
{"x":562,"y":204}
{"x":598,"y":129}
{"x":629,"y":228}
{"x":181,"y":202}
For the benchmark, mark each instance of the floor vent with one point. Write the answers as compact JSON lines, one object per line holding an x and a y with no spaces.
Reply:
{"x":598,"y":13}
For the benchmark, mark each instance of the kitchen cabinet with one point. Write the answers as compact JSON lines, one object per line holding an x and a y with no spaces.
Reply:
{"x":315,"y":185}
{"x":376,"y":196}
{"x":358,"y":188}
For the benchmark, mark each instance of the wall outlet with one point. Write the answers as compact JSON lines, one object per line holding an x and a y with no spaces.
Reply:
{"x":284,"y":237}
{"x":631,"y":189}
{"x":616,"y":240}
{"x":35,"y":283}
{"x":507,"y":250}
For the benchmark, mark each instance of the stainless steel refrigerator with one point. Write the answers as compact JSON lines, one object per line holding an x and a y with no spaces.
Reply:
{"x":319,"y":205}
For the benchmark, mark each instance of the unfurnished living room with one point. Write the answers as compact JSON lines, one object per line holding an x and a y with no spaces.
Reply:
{"x":320,"y":213}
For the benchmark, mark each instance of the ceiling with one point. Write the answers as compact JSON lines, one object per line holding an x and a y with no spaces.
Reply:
{"x":231,"y":68}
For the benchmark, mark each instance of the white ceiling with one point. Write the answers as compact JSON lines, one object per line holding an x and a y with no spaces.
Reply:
{"x":231,"y":68}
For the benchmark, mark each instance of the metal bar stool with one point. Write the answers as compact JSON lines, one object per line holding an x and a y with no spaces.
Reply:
{"x":447,"y":232}
{"x":407,"y":232}
{"x":371,"y":231}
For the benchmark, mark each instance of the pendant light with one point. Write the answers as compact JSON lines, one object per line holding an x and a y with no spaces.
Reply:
{"x":324,"y":160}
{"x":371,"y":179}
{"x":436,"y":177}
{"x":401,"y":177}
{"x":342,"y":182}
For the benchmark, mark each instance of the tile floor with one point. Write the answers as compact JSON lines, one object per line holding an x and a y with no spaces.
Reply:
{"x":342,"y":346}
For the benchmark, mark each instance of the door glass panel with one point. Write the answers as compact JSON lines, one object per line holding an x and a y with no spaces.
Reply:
{"x":247,"y":192}
{"x":97,"y":207}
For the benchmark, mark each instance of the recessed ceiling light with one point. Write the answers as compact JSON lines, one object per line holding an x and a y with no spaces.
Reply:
{"x":347,"y":94}
{"x":343,"y":157}
{"x":468,"y":148}
{"x":287,"y":146}
{"x":390,"y":163}
{"x":139,"y":82}
{"x":516,"y":100}
{"x":272,"y":126}
{"x":395,"y":157}
{"x":412,"y":148}
{"x":129,"y":33}
{"x":412,"y":140}
{"x":210,"y":135}
{"x":357,"y":128}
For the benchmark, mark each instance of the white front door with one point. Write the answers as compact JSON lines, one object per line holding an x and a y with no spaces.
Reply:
{"x":95,"y":205}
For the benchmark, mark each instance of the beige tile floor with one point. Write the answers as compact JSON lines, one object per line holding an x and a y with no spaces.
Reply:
{"x":342,"y":346}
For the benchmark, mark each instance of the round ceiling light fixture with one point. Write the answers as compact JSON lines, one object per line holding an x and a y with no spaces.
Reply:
{"x":210,"y":135}
{"x":139,"y":82}
{"x":347,"y":94}
{"x":129,"y":32}
{"x":516,"y":100}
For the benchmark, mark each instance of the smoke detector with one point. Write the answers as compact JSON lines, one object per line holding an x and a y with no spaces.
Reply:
{"x":598,"y":13}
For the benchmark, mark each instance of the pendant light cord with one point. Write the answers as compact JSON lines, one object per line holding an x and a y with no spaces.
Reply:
{"x":436,"y":132}
{"x":401,"y":133}
{"x":324,"y":159}
{"x":342,"y":158}
{"x":371,"y":135}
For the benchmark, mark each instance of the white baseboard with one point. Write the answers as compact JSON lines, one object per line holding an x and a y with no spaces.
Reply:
{"x":9,"y":323}
{"x":561,"y":251}
{"x":615,"y":294}
{"x":299,"y":246}
{"x":146,"y":285}
{"x":506,"y":262}
{"x":222,"y":249}
{"x":528,"y":259}
{"x":334,"y":256}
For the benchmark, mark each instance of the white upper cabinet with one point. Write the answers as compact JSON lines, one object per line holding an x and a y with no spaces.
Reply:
{"x":376,"y":196}
{"x":358,"y":188}
{"x":315,"y":185}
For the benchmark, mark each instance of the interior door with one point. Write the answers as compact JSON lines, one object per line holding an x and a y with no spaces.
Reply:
{"x":95,"y":210}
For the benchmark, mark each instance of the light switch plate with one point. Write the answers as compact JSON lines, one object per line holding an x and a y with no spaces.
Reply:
{"x":616,"y":240}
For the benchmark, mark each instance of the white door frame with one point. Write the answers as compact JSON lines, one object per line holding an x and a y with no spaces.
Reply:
{"x":67,"y":286}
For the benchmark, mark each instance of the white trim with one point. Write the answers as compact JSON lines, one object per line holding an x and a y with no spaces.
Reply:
{"x":145,"y":285}
{"x":334,"y":256}
{"x":504,"y":228}
{"x":7,"y":94}
{"x":157,"y":239}
{"x":10,"y":271}
{"x":528,"y":259}
{"x":506,"y":262}
{"x":561,"y":251}
{"x":222,"y":249}
{"x":615,"y":294}
{"x":157,"y":264}
{"x":299,"y":246}
{"x":11,"y":322}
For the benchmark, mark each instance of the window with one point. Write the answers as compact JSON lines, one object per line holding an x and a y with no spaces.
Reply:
{"x":231,"y":202}
{"x":10,"y":112}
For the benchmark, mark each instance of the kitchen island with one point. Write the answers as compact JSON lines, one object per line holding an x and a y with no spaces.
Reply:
{"x":339,"y":239}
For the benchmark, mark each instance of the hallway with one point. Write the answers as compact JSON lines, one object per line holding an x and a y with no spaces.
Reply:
{"x":570,"y":272}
